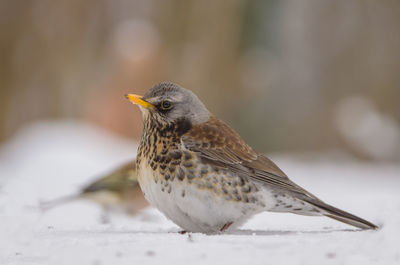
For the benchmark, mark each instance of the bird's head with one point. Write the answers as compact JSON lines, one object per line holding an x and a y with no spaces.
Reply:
{"x":168,"y":103}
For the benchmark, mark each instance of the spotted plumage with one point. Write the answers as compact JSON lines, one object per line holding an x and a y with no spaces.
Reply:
{"x":203,"y":176}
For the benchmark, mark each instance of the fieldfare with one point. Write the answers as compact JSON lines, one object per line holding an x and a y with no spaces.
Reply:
{"x":203,"y":176}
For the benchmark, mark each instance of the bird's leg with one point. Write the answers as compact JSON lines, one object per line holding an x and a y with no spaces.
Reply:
{"x":226,"y":226}
{"x":105,"y":216}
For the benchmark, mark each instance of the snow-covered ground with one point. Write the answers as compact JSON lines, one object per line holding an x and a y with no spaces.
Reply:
{"x":48,"y":160}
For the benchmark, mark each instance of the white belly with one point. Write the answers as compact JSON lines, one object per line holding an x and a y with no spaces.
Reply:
{"x":194,"y":209}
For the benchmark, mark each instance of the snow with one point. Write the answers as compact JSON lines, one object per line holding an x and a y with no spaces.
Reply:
{"x":51,"y":159}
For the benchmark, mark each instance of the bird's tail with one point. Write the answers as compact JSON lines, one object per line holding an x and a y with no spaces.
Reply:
{"x":47,"y":205}
{"x":340,"y":215}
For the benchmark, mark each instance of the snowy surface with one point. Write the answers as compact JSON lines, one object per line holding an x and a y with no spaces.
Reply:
{"x":48,"y":160}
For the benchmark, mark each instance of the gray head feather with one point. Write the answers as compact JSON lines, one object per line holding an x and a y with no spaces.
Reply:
{"x":185,"y":103}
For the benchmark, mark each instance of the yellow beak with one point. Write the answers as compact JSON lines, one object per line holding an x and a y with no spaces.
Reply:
{"x":136,"y":99}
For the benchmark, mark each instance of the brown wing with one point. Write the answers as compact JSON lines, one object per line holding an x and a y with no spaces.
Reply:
{"x":220,"y":144}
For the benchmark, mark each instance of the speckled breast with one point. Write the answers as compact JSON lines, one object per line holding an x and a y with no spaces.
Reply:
{"x":163,"y":159}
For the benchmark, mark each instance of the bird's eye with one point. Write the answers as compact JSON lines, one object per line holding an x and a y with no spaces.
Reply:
{"x":166,"y":105}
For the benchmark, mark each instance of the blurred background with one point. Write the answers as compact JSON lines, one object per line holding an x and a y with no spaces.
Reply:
{"x":289,"y":76}
{"x":315,"y":84}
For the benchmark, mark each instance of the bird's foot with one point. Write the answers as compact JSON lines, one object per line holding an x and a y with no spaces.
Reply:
{"x":105,"y":218}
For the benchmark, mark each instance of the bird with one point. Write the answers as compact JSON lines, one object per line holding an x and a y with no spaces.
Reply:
{"x":203,"y":176}
{"x":117,"y":191}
